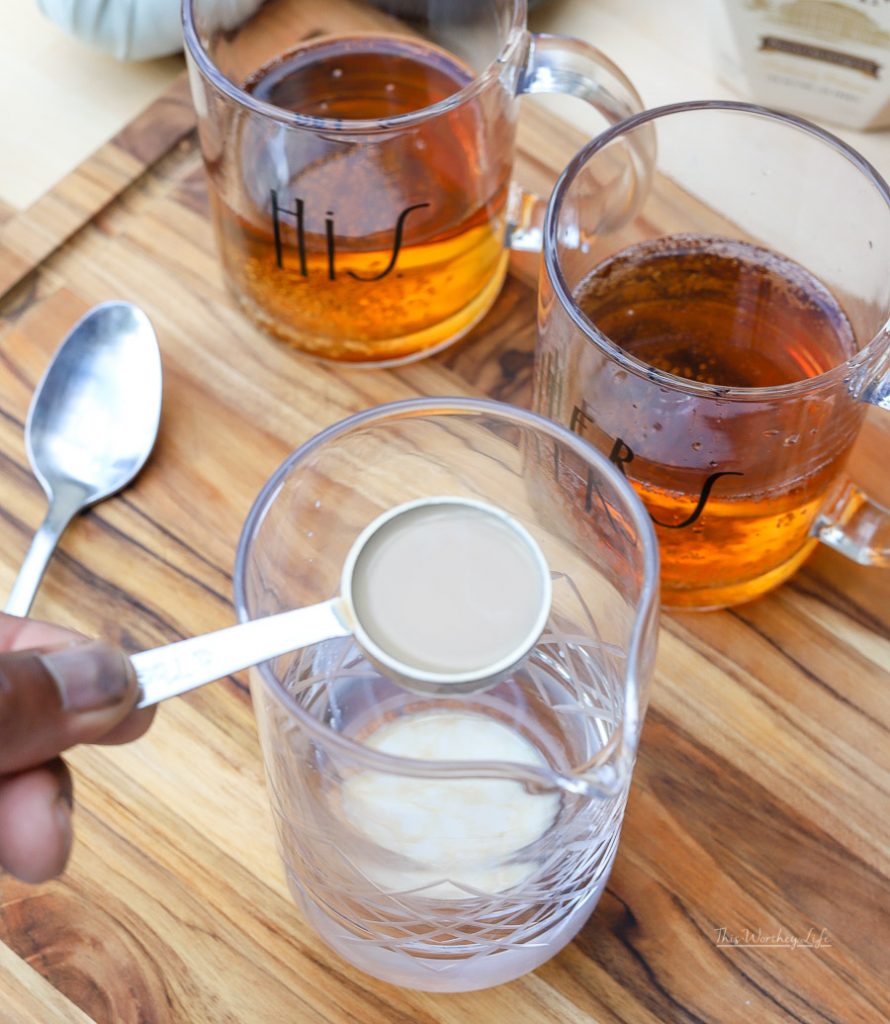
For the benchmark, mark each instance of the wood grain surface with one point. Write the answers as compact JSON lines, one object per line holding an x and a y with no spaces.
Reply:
{"x":761,"y":800}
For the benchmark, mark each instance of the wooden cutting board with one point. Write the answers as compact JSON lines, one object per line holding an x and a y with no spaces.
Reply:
{"x":760,"y":809}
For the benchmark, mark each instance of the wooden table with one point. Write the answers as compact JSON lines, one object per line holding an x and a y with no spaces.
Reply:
{"x":759,"y":817}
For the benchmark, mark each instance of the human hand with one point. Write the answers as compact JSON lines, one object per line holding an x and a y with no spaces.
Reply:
{"x":57,"y":689}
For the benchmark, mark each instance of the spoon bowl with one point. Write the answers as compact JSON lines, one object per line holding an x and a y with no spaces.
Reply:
{"x":91,"y":426}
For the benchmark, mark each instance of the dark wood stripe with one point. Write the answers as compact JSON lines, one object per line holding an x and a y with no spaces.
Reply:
{"x":175,"y":537}
{"x":755,"y":835}
{"x":806,"y":584}
{"x":667,"y":1008}
{"x":738,"y":614}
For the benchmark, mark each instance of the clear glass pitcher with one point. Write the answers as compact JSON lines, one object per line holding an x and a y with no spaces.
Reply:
{"x":452,"y":843}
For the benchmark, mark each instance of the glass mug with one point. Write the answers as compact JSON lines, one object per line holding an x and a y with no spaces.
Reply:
{"x":718,"y":331}
{"x":359,"y":165}
{"x":453,"y":842}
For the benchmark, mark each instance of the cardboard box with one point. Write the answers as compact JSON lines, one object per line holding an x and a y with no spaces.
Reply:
{"x":825,"y":59}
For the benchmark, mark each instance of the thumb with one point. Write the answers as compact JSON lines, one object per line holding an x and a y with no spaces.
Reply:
{"x":51,"y":700}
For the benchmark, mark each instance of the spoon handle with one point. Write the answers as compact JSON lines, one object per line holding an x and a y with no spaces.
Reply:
{"x":169,"y":671}
{"x":44,"y":543}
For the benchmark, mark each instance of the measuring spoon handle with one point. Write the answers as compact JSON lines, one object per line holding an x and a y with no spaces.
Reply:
{"x":177,"y":668}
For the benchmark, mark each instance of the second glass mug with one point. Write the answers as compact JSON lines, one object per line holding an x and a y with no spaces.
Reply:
{"x":734,"y":436}
{"x":360,"y":166}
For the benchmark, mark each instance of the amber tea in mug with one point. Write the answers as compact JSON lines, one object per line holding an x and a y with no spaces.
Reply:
{"x":409,"y":246}
{"x":719,"y":373}
{"x":726,"y":313}
{"x":360,"y":182}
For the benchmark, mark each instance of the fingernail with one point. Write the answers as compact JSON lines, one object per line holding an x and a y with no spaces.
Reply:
{"x":90,"y":676}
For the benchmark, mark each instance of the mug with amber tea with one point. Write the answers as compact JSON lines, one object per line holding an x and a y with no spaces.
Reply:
{"x":718,"y":330}
{"x":359,"y":164}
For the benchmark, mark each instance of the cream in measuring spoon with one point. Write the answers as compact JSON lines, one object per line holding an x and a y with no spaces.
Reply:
{"x":448,"y":588}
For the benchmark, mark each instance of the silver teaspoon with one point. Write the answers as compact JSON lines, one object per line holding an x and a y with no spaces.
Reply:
{"x":91,"y":426}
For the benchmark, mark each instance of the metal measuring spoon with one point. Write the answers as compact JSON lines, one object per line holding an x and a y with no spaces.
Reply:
{"x":91,"y":426}
{"x":506,"y":564}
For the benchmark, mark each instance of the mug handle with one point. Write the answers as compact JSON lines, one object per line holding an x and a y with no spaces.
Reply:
{"x":561,"y":64}
{"x":855,"y":524}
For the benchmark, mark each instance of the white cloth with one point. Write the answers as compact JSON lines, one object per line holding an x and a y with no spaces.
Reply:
{"x":135,"y":29}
